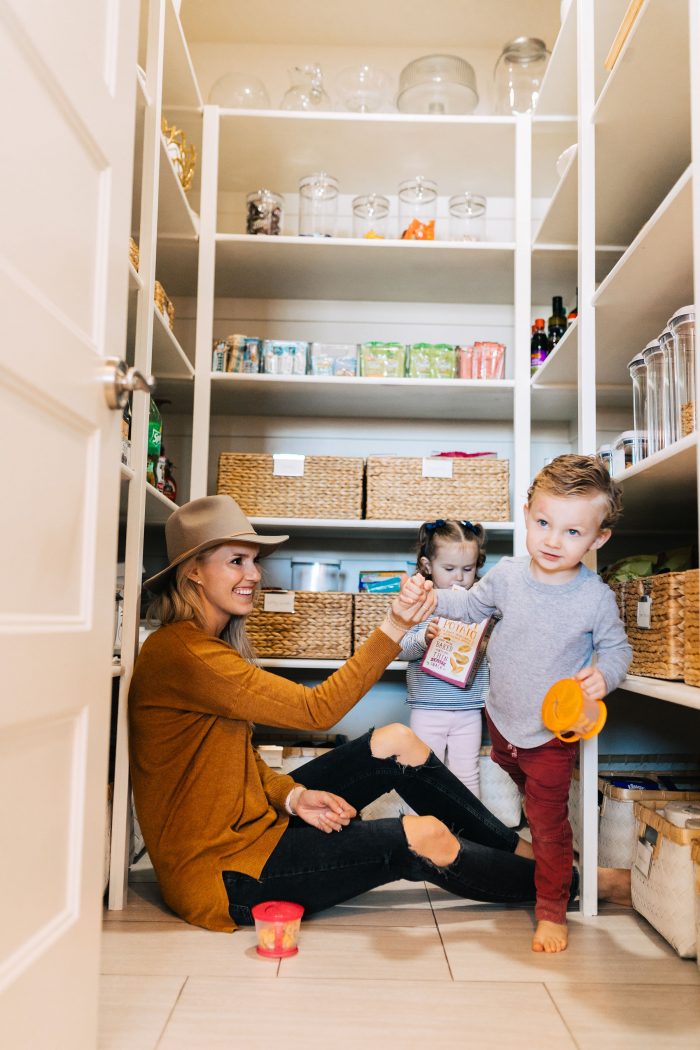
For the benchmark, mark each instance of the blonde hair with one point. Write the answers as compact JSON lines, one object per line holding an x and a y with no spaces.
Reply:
{"x":182,"y":600}
{"x":574,"y":475}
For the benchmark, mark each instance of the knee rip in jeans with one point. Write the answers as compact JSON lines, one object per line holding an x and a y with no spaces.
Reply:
{"x":444,"y":868}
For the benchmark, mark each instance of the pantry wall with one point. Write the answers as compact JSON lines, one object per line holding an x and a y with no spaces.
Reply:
{"x":223,"y":281}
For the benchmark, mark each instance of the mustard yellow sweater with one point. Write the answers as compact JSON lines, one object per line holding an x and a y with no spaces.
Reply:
{"x":205,"y":800}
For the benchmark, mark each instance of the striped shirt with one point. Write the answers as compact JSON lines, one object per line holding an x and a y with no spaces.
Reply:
{"x":422,"y":690}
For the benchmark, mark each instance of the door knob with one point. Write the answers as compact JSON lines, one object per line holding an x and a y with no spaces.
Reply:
{"x":120,"y":380}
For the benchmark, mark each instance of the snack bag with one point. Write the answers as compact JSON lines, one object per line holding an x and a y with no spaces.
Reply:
{"x":454,"y":656}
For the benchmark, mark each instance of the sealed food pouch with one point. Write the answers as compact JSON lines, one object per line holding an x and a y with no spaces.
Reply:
{"x":456,"y":653}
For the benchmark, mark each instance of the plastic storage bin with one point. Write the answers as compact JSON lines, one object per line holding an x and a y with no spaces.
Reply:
{"x":682,"y":326}
{"x":318,"y":205}
{"x":638,"y":375}
{"x":333,"y":359}
{"x":657,"y":410}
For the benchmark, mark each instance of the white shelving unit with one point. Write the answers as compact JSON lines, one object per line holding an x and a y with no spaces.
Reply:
{"x":359,"y":526}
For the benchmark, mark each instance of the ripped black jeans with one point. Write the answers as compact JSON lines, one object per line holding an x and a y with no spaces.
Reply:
{"x":318,"y":870}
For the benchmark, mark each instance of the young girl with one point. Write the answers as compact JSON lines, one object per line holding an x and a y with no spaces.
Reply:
{"x":446,"y":717}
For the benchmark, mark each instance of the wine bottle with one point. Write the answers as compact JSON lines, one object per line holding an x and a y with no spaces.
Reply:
{"x":556,"y":326}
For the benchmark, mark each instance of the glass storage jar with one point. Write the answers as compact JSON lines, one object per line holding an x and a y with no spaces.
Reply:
{"x":518,"y":75}
{"x":657,"y":397}
{"x":369,"y":216}
{"x":672,"y":421}
{"x":682,"y":325}
{"x":417,"y":208}
{"x":264,"y":213}
{"x":318,"y":205}
{"x":638,"y":374}
{"x":307,"y":91}
{"x":467,"y":217}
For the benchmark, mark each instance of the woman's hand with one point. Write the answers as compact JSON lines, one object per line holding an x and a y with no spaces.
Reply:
{"x":592,"y":682}
{"x":404,"y":615}
{"x":324,"y":810}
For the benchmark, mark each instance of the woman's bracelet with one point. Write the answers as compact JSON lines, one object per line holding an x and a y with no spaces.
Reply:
{"x":290,"y":801}
{"x":396,"y":622}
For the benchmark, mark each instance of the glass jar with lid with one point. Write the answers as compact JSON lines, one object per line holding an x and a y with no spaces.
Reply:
{"x":369,"y":216}
{"x":264,"y":213}
{"x":638,"y":374}
{"x":672,"y":420}
{"x":682,"y":326}
{"x":657,"y":397}
{"x":417,"y":208}
{"x":518,"y":75}
{"x":467,"y":217}
{"x":307,"y":91}
{"x":318,"y":205}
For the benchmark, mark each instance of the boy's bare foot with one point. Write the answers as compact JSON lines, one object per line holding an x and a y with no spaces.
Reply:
{"x":550,"y":937}
{"x":614,"y":885}
{"x":524,"y":849}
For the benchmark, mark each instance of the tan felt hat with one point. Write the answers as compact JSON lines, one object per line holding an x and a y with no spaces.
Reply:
{"x":204,"y":523}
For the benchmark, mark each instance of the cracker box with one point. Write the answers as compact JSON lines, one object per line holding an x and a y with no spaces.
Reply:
{"x":455,"y":654}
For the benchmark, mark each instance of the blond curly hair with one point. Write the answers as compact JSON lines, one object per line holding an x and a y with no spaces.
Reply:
{"x":574,"y":475}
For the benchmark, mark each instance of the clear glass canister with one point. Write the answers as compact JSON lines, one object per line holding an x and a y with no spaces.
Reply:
{"x":638,"y":374}
{"x":672,"y":417}
{"x":264,"y":213}
{"x":467,"y":217}
{"x":318,"y":205}
{"x":518,"y":75}
{"x":682,"y":325}
{"x":369,"y":216}
{"x":657,"y":403}
{"x":417,"y":209}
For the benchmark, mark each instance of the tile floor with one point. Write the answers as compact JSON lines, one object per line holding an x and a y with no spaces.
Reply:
{"x":407,"y":965}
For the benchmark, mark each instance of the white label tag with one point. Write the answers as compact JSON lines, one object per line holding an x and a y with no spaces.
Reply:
{"x":437,"y":467}
{"x":287,"y":465}
{"x":644,"y":613}
{"x":279,"y":601}
{"x":642,"y":858}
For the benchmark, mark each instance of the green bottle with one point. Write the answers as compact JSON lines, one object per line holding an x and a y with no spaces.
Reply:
{"x":155,"y":429}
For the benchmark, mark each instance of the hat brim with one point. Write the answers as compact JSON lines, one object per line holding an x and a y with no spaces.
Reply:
{"x":267,"y":545}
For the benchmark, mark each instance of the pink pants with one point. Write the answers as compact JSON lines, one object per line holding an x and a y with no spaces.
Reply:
{"x":455,"y":738}
{"x":543,"y":774}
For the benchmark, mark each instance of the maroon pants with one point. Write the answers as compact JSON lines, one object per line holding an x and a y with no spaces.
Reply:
{"x":543,"y":775}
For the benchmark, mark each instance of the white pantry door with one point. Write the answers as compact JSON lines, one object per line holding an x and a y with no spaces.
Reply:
{"x":66,"y":145}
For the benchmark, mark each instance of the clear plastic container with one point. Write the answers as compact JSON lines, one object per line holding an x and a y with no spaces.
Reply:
{"x":518,"y":75}
{"x":432,"y":361}
{"x":264,"y":213}
{"x":383,"y":360}
{"x":467,"y":217}
{"x":437,"y":84}
{"x":682,"y":325}
{"x":638,"y":375}
{"x":333,"y":359}
{"x":605,"y":453}
{"x":657,"y":404}
{"x":318,"y":205}
{"x":672,"y":419}
{"x":277,"y":926}
{"x":417,"y":208}
{"x":284,"y":357}
{"x":369,"y":216}
{"x":489,"y":360}
{"x":623,"y":451}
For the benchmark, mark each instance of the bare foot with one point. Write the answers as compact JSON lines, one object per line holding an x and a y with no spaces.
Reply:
{"x":524,"y":849}
{"x":614,"y":886}
{"x":550,"y":937}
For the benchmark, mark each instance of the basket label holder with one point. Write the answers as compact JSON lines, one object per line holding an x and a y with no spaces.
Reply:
{"x":644,"y":612}
{"x":437,"y":467}
{"x":287,"y":465}
{"x":279,"y":601}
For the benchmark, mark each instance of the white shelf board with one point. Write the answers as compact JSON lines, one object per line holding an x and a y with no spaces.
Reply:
{"x":135,"y":282}
{"x":561,"y":365}
{"x":321,"y":665}
{"x":671,"y":692}
{"x":357,"y":396}
{"x":559,"y":224}
{"x":663,"y":484}
{"x":126,"y":473}
{"x":370,"y":270}
{"x":143,"y":100}
{"x":158,"y":507}
{"x":643,"y":121}
{"x":117,"y":669}
{"x":175,"y":216}
{"x":358,"y":526}
{"x":364,"y":150}
{"x":169,"y":360}
{"x":558,"y":91}
{"x":555,"y":268}
{"x":649,"y":283}
{"x":180,"y":87}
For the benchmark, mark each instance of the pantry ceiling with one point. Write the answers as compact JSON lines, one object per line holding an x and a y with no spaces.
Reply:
{"x":401,"y":23}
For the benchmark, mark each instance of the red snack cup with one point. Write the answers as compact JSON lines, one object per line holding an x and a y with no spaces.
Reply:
{"x":277,"y":926}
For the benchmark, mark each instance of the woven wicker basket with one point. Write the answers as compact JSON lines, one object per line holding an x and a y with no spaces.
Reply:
{"x":370,"y":610}
{"x":691,"y":648}
{"x":330,"y":487}
{"x":396,"y":489}
{"x":657,"y":652}
{"x":320,"y":628}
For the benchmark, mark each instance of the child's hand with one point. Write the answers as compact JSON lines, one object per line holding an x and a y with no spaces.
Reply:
{"x":592,"y":682}
{"x":414,"y":589}
{"x":432,"y":631}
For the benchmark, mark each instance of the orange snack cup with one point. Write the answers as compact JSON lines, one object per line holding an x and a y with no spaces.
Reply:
{"x":569,"y":714}
{"x":277,"y":926}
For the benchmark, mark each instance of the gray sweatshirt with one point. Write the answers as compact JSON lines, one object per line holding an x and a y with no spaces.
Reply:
{"x":547,"y":632}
